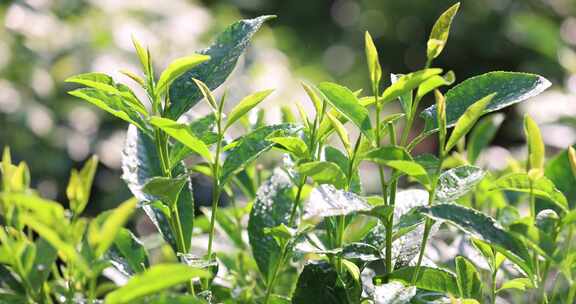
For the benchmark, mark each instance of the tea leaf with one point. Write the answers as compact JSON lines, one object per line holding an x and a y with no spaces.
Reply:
{"x":521,"y":284}
{"x":182,"y":134}
{"x":557,"y":171}
{"x":440,"y":31}
{"x":292,"y":144}
{"x":407,"y":83}
{"x":204,"y":129}
{"x":535,"y":144}
{"x":482,"y":135}
{"x":102,"y":235}
{"x":249,"y":147}
{"x":127,"y":254}
{"x":325,"y":201}
{"x":386,"y":154}
{"x":468,"y":278}
{"x":144,"y":56}
{"x":311,"y":92}
{"x":207,"y":94}
{"x":271,"y":208}
{"x":46,"y":255}
{"x":336,"y":156}
{"x":78,"y":190}
{"x":412,"y":169}
{"x":319,"y":281}
{"x":153,"y":280}
{"x":342,"y":133}
{"x":483,"y":227}
{"x":165,"y":189}
{"x":372,"y":59}
{"x":541,"y":187}
{"x":393,"y":293}
{"x":343,"y":100}
{"x":176,"y":68}
{"x":467,"y":121}
{"x":224,"y":54}
{"x":435,"y":82}
{"x":323,"y":172}
{"x":429,"y":278}
{"x":245,"y":105}
{"x":510,"y":88}
{"x":456,"y":182}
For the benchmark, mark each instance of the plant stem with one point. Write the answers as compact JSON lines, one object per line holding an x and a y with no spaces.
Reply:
{"x":493,"y":297}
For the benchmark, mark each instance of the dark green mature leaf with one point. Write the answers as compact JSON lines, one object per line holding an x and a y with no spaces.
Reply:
{"x":393,"y":293}
{"x":46,"y":254}
{"x":325,"y":200}
{"x":483,"y":227}
{"x":344,"y":100}
{"x":323,"y":172}
{"x":440,"y":31}
{"x":429,"y":278}
{"x":468,"y":278}
{"x":541,"y":187}
{"x":127,"y":254}
{"x":249,"y":147}
{"x":272,"y":207}
{"x":467,"y":121}
{"x":456,"y":182}
{"x":165,"y":189}
{"x":510,"y":88}
{"x":140,"y":163}
{"x":482,"y":135}
{"x":336,"y":156}
{"x":224,"y":53}
{"x":319,"y":282}
{"x":112,"y":104}
{"x":558,"y":171}
{"x":155,"y":279}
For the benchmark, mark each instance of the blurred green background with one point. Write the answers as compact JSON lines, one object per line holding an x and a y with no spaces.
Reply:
{"x":42,"y":42}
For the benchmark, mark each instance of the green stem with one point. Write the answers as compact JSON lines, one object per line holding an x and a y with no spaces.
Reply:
{"x":270,"y":285}
{"x":493,"y":297}
{"x":296,"y":202}
{"x":571,"y":294}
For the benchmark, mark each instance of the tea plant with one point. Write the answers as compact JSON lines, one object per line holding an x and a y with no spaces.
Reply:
{"x":313,"y":235}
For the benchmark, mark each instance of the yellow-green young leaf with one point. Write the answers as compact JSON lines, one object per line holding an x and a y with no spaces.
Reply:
{"x":46,"y":211}
{"x":535,"y":144}
{"x":467,"y":121}
{"x":144,"y":56}
{"x":303,"y":115}
{"x":344,"y":100}
{"x":102,"y":237}
{"x":78,"y":190}
{"x":176,"y":69}
{"x":134,"y":77}
{"x":323,"y":172}
{"x":66,"y":250}
{"x":207,"y":94}
{"x":182,"y":134}
{"x":440,"y":31}
{"x":6,"y":169}
{"x":316,"y":101}
{"x":519,"y":283}
{"x":293,"y":144}
{"x":435,"y":82}
{"x":287,"y":115}
{"x":572,"y":160}
{"x":245,"y":105}
{"x":342,"y":133}
{"x":412,"y":169}
{"x":441,"y":116}
{"x":373,"y":63}
{"x":154,"y":280}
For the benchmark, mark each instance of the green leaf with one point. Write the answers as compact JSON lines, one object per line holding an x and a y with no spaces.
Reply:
{"x":112,"y":104}
{"x":272,"y":207}
{"x":249,"y":147}
{"x":407,"y":83}
{"x":372,"y":58}
{"x":46,"y":255}
{"x":433,"y":83}
{"x":176,"y":68}
{"x":207,"y":94}
{"x":323,"y":172}
{"x":78,"y":190}
{"x":319,"y":281}
{"x":510,"y":88}
{"x":102,"y":233}
{"x":182,"y":134}
{"x":342,"y":133}
{"x":456,"y":182}
{"x":311,"y":92}
{"x":468,"y":278}
{"x":245,"y":105}
{"x":393,"y":293}
{"x":429,"y":278}
{"x":128,"y":254}
{"x":440,"y":31}
{"x":154,"y":280}
{"x":325,"y":201}
{"x":140,"y":163}
{"x":225,"y":220}
{"x":224,"y":54}
{"x":521,"y":284}
{"x":45,"y":211}
{"x":412,"y":169}
{"x":336,"y":156}
{"x":482,"y":135}
{"x":292,"y":144}
{"x":386,"y":154}
{"x":343,"y":100}
{"x":535,"y":144}
{"x":541,"y":187}
{"x":558,"y":171}
{"x":204,"y":128}
{"x":467,"y":121}
{"x":485,"y":228}
{"x":165,"y":189}
{"x":144,"y":56}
